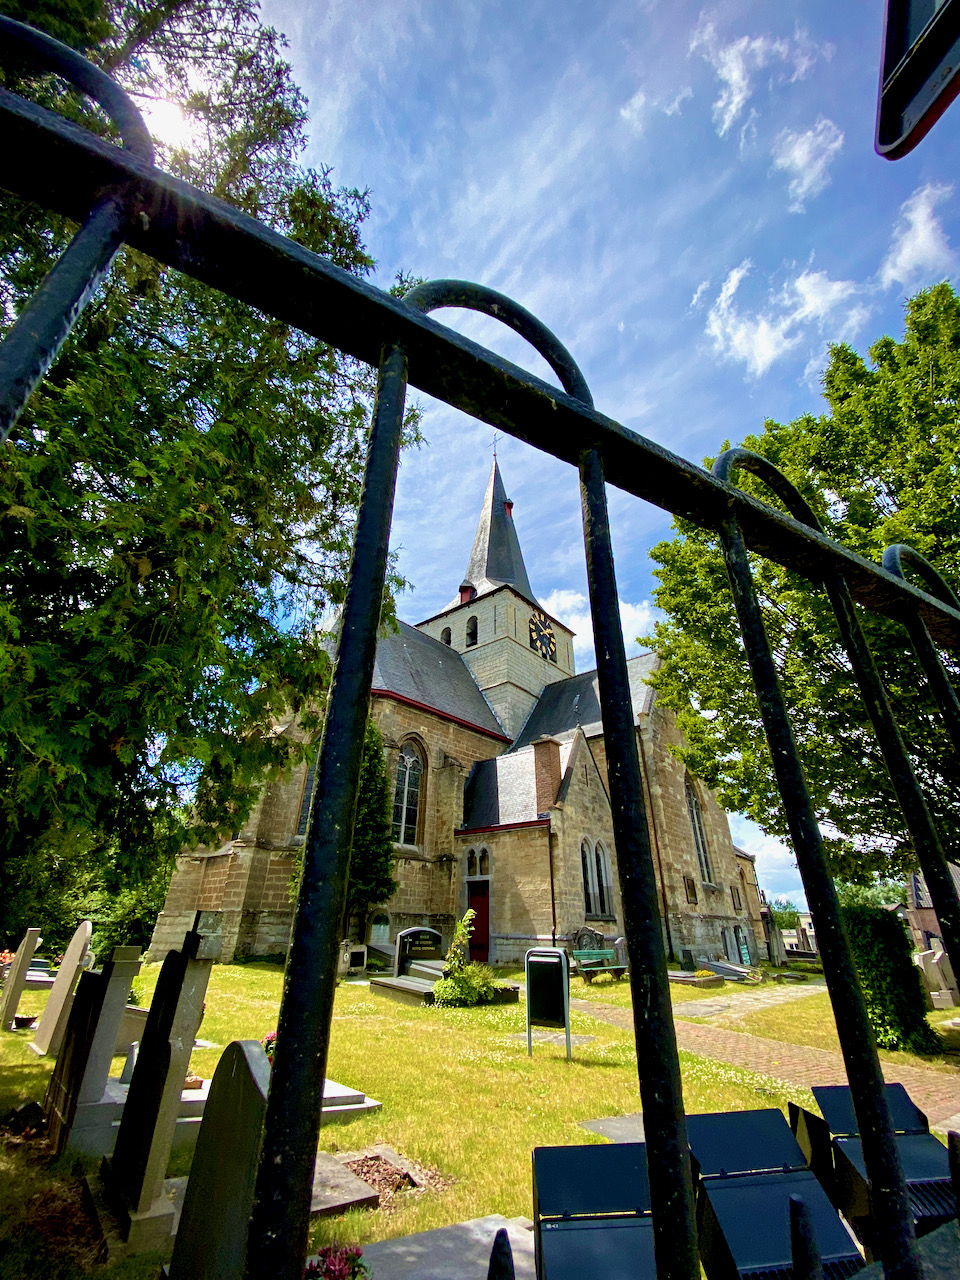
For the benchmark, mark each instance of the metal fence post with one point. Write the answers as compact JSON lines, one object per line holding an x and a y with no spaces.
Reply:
{"x":894,"y":1222}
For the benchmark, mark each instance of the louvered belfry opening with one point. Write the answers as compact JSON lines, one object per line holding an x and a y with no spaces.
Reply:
{"x":117,"y":197}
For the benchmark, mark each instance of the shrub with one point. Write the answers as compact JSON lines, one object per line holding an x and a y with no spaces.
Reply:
{"x":473,"y":984}
{"x":890,"y":980}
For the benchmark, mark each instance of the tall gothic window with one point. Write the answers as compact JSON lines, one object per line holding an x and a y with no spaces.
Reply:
{"x":304,"y":815}
{"x":406,"y":798}
{"x":471,"y":632}
{"x":699,"y":833}
{"x":597,"y":890}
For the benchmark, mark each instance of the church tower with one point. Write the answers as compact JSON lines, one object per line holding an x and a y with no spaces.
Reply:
{"x":511,"y":645}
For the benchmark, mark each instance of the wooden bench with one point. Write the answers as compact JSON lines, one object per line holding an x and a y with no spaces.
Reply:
{"x":598,"y":961}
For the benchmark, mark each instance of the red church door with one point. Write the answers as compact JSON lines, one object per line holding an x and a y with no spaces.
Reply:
{"x":478,"y":900}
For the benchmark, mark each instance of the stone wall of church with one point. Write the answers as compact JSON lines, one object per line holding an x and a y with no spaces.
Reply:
{"x":703,"y":926}
{"x":520,"y":914}
{"x":585,"y":815}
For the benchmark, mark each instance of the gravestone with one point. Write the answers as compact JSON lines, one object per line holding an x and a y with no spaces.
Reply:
{"x":133,"y":1176}
{"x":49,"y":1034}
{"x":687,"y":962}
{"x":80,"y":1105}
{"x":413,"y":945}
{"x":17,"y":977}
{"x":211,"y":1239}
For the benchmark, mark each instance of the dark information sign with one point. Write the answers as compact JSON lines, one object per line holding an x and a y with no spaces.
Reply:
{"x":548,"y":991}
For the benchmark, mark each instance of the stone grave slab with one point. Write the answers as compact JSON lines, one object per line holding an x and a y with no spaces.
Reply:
{"x":53,"y":1024}
{"x":16,"y":978}
{"x":618,"y":1128}
{"x":211,"y":1238}
{"x":341,"y":1104}
{"x":79,"y":1111}
{"x":460,"y":1252}
{"x":134,"y":1175}
{"x":336,"y":1189}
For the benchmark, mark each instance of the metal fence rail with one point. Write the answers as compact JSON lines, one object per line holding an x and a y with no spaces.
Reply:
{"x":61,"y":166}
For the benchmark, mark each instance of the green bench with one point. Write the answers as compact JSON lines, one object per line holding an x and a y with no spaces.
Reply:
{"x":590,"y":963}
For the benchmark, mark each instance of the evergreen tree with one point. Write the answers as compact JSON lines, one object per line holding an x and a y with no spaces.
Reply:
{"x":880,"y":467}
{"x":372,"y":858}
{"x":179,"y":496}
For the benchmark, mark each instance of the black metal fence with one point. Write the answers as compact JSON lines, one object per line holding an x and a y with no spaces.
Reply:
{"x":117,"y":196}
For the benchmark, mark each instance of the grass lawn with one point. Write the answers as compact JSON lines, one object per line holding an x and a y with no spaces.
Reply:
{"x":817,"y":1029}
{"x":459,"y":1095}
{"x":607,"y":990}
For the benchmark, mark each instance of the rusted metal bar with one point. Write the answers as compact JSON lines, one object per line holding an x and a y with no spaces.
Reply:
{"x":668,"y":1153}
{"x":35,"y":339}
{"x":893,"y":1218}
{"x":52,"y":161}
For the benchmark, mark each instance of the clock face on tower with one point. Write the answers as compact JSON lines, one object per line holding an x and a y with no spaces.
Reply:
{"x":541,"y":635}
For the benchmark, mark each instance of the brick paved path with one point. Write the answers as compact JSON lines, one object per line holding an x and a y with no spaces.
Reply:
{"x":937,"y":1093}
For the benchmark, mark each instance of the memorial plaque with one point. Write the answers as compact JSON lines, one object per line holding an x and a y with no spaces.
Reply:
{"x":548,"y":991}
{"x":416,"y":944}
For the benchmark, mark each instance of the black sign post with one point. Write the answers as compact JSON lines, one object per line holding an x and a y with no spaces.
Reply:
{"x":548,"y":992}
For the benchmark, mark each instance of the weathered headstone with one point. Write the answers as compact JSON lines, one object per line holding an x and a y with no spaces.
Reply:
{"x":687,"y":962}
{"x":133,"y":1176}
{"x":79,"y":1104}
{"x":49,"y":1035}
{"x":16,"y":978}
{"x":416,"y":944}
{"x":211,"y":1240}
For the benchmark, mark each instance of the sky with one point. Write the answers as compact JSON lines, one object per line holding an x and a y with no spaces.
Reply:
{"x":687,"y":196}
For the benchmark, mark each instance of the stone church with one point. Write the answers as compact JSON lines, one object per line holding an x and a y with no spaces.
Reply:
{"x":497,"y":763}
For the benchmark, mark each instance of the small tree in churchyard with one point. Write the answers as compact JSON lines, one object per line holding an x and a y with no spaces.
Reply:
{"x":371,"y":862}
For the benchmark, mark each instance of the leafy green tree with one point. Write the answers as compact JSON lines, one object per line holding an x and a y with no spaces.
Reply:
{"x":372,"y":857}
{"x":880,"y":467}
{"x":786,"y":914}
{"x":178,"y":502}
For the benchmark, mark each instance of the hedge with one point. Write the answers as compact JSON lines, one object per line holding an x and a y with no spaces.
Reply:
{"x":891,"y":982}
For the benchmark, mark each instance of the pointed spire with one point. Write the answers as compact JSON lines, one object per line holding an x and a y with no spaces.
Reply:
{"x":496,"y":559}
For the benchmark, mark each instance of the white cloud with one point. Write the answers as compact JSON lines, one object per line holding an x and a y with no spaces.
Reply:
{"x":919,"y":250}
{"x":776,"y":864}
{"x":697,"y":299}
{"x":806,"y":157}
{"x":573,"y":609}
{"x":737,"y":63}
{"x":761,"y":338}
{"x":635,"y":111}
{"x":672,"y":107}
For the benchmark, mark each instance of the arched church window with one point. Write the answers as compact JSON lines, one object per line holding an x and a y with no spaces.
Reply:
{"x":483,"y":862}
{"x":604,"y":892}
{"x":472,"y":862}
{"x":695,"y":811}
{"x":445,"y":635}
{"x":380,"y":928}
{"x":406,"y":798}
{"x":471,"y":631}
{"x":304,"y":815}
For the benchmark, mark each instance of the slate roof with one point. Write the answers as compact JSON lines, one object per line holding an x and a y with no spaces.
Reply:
{"x":576,"y":701}
{"x":496,"y":559}
{"x":418,"y":667}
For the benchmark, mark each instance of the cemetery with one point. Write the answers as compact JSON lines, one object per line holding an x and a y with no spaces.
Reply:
{"x":158,"y":1186}
{"x":196,"y":1113}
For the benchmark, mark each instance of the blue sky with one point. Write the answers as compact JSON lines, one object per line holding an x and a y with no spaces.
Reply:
{"x":687,"y":195}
